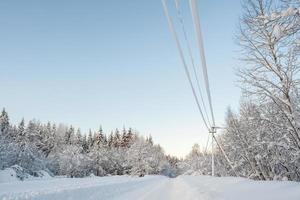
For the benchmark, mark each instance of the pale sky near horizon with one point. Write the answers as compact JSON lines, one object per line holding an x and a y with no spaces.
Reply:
{"x":114,"y":63}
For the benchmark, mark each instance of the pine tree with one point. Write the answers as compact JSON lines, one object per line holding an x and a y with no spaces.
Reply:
{"x":78,"y":138}
{"x":84,"y":143}
{"x":101,"y":135}
{"x":124,"y":139}
{"x":90,"y":141}
{"x":21,"y":133}
{"x":150,"y":140}
{"x":69,"y":136}
{"x":130,"y":137}
{"x":54,"y":130}
{"x":4,"y":123}
{"x":117,"y":138}
{"x":111,"y":140}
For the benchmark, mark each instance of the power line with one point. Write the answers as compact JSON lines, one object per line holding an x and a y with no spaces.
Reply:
{"x":197,"y":27}
{"x":180,"y":17}
{"x":172,"y":29}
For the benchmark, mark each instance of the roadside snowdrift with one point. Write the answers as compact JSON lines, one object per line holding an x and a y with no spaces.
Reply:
{"x":8,"y":175}
{"x":17,"y":173}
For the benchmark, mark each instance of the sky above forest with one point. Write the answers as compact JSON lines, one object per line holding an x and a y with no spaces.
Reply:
{"x":114,"y":63}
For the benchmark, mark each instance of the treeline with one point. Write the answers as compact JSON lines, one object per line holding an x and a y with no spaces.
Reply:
{"x":262,"y":140}
{"x":62,"y":150}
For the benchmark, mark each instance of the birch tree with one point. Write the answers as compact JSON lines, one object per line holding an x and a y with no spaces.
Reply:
{"x":269,"y":39}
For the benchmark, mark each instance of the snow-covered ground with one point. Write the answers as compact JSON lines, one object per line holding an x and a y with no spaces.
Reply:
{"x":151,"y":188}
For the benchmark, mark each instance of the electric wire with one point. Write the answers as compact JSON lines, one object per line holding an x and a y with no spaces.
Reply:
{"x":196,"y":22}
{"x":180,"y":19}
{"x":172,"y":29}
{"x":197,"y":27}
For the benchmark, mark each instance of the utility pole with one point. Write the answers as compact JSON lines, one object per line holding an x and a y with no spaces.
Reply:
{"x":212,"y":132}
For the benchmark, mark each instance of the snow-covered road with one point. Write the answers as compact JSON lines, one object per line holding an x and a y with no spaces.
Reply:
{"x":150,"y":188}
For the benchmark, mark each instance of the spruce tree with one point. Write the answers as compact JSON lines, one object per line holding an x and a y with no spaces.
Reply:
{"x":90,"y":141}
{"x":4,"y":122}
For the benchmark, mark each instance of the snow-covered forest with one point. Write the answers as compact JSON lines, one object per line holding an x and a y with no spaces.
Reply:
{"x":62,"y":150}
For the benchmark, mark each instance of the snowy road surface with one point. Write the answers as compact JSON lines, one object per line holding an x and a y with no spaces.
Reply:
{"x":150,"y":188}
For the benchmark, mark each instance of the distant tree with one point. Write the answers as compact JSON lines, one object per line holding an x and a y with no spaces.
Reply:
{"x":117,"y":138}
{"x":4,"y":123}
{"x":78,"y":138}
{"x":69,"y":136}
{"x":101,"y":135}
{"x":111,"y":140}
{"x":90,"y":140}
{"x":149,"y":140}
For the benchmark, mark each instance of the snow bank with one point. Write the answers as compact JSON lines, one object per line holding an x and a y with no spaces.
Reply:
{"x":17,"y":173}
{"x":42,"y":174}
{"x":8,"y":175}
{"x":14,"y":173}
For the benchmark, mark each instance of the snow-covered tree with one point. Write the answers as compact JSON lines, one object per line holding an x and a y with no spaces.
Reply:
{"x":269,"y":37}
{"x":4,"y":123}
{"x":145,"y":158}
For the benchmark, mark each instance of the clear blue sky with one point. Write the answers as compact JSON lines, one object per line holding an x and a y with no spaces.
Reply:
{"x":113,"y":63}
